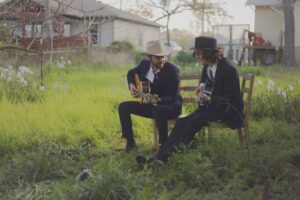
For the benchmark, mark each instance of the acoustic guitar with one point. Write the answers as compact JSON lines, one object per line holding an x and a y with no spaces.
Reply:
{"x":144,"y":88}
{"x":207,"y":91}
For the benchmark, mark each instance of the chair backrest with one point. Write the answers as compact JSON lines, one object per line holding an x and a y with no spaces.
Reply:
{"x":189,"y":83}
{"x":247,"y":89}
{"x":194,"y":81}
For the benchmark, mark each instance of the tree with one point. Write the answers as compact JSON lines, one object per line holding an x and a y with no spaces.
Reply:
{"x":142,"y":9}
{"x":169,"y":8}
{"x":206,"y":11}
{"x":289,"y":34}
{"x":50,"y":27}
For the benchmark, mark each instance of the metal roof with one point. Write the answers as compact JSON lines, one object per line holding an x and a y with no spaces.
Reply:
{"x":264,"y":2}
{"x":92,"y":8}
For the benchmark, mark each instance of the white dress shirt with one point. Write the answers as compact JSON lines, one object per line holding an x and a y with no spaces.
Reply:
{"x":213,"y":69}
{"x":150,"y":74}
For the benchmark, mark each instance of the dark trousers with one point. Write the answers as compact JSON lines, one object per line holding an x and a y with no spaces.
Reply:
{"x":185,"y":129}
{"x":160,"y":113}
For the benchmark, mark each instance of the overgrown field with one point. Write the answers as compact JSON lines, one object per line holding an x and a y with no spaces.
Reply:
{"x":47,"y":137}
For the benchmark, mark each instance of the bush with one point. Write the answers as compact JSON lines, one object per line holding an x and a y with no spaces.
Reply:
{"x":250,"y":70}
{"x":120,"y":46}
{"x":184,"y":58}
{"x":138,"y":56}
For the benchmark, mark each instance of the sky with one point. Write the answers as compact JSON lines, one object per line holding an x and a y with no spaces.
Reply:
{"x":241,"y":14}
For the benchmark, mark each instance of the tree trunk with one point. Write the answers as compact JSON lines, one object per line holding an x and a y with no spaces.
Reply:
{"x":50,"y":28}
{"x":168,"y":30}
{"x":289,"y":59}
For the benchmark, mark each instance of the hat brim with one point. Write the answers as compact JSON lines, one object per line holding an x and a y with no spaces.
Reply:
{"x":193,"y":48}
{"x":156,"y":54}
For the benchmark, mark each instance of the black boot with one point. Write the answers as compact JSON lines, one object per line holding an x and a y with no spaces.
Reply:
{"x":142,"y":160}
{"x":131,"y":145}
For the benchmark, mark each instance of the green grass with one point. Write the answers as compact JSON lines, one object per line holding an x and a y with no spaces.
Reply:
{"x":45,"y":145}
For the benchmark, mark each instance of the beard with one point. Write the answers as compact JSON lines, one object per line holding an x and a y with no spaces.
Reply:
{"x":159,"y":66}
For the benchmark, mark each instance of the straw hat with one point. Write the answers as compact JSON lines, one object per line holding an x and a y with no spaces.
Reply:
{"x":156,"y":48}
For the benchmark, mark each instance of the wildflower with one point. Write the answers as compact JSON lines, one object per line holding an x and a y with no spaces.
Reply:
{"x":61,"y":65}
{"x":271,"y":85}
{"x":42,"y":88}
{"x":69,"y":62}
{"x":2,"y":76}
{"x":291,"y":88}
{"x":281,"y":92}
{"x":24,"y":83}
{"x":259,"y":83}
{"x":24,"y":69}
{"x":284,"y":95}
{"x":19,"y":76}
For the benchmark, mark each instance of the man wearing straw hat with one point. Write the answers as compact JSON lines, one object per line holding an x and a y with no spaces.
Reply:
{"x":164,"y":84}
{"x":223,"y":101}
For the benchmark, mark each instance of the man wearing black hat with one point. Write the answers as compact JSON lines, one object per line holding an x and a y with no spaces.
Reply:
{"x":220,"y":99}
{"x":164,"y":84}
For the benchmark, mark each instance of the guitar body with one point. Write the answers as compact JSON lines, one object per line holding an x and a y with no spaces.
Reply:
{"x":207,"y":91}
{"x":142,"y":86}
{"x":146,"y":87}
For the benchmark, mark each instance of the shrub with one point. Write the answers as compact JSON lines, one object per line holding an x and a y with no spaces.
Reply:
{"x":138,"y":56}
{"x":250,"y":70}
{"x":184,"y":58}
{"x":120,"y":46}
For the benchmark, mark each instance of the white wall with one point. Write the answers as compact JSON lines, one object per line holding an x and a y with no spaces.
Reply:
{"x":106,"y":33}
{"x":269,"y":23}
{"x":137,"y":34}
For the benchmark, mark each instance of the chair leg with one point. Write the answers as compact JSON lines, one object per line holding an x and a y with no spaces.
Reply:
{"x":240,"y":135}
{"x":209,"y":136}
{"x":247,"y":137}
{"x":201,"y":134}
{"x":155,"y":133}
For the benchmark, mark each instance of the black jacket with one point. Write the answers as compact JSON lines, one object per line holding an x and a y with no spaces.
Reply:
{"x":226,"y":96}
{"x":167,"y":87}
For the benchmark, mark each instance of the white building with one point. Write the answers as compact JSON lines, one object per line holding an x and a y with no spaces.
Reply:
{"x":102,"y":23}
{"x":269,"y":20}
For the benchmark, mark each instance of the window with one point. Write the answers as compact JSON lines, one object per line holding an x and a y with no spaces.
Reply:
{"x":67,"y":30}
{"x":94,"y":33}
{"x":28,"y":31}
{"x":37,"y":30}
{"x":33,"y":30}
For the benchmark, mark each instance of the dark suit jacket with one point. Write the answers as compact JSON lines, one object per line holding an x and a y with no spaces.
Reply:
{"x":167,"y":87}
{"x":226,"y":96}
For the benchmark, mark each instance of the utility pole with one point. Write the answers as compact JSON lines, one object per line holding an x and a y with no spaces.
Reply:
{"x":121,"y":4}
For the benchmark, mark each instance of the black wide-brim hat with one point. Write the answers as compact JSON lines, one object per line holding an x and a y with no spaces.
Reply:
{"x":206,"y":43}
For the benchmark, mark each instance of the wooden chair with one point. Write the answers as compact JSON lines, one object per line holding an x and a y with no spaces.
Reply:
{"x":186,"y":100}
{"x":248,"y":90}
